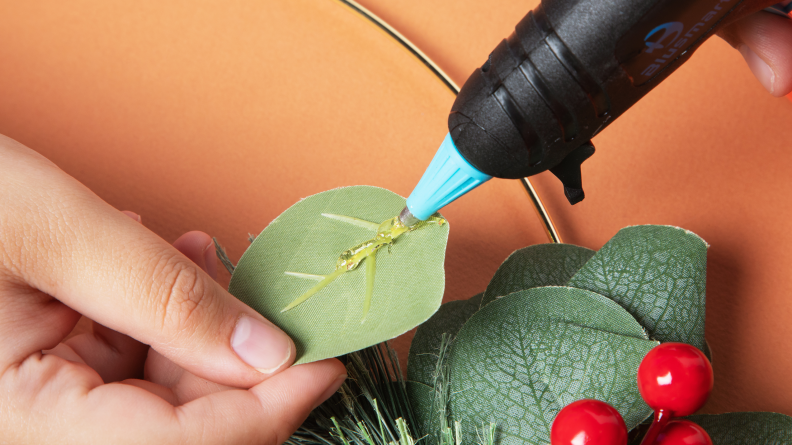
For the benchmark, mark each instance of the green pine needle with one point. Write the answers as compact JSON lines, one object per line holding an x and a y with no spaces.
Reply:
{"x":372,"y":406}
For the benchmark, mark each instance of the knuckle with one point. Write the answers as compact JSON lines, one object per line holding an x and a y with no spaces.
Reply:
{"x":183,"y":295}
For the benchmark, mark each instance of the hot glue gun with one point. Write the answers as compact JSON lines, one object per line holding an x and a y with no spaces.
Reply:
{"x":569,"y":69}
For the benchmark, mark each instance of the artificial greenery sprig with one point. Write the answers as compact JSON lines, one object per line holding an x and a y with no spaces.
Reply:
{"x":373,"y":407}
{"x":557,"y":324}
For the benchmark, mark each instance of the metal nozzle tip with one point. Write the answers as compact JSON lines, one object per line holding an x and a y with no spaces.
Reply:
{"x":407,"y":218}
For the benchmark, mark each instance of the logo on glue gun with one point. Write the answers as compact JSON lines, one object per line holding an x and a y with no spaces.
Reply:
{"x":666,"y":33}
{"x":669,"y":29}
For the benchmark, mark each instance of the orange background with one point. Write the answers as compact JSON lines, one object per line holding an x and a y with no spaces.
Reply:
{"x":218,"y":115}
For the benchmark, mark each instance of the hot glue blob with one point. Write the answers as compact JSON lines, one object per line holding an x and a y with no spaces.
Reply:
{"x":386,"y":234}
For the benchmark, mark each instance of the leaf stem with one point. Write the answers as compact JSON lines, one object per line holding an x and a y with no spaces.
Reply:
{"x":307,"y":276}
{"x":327,"y":280}
{"x":661,"y":418}
{"x":371,"y":269}
{"x":354,"y":221}
{"x":223,"y":256}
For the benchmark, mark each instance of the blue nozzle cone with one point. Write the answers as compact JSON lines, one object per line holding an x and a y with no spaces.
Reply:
{"x":448,"y":177}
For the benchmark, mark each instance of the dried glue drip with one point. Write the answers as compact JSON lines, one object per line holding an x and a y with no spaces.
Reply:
{"x":350,"y":259}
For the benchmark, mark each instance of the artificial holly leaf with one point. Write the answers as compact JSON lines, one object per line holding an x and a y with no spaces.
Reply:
{"x":658,"y":273}
{"x":425,"y":346}
{"x":749,"y":428}
{"x":306,"y":241}
{"x":535,"y":266}
{"x":523,"y":357}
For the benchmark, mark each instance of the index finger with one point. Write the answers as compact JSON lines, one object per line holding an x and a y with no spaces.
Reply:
{"x":60,"y":238}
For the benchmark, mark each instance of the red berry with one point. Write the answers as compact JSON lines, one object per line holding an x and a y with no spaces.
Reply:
{"x":676,"y":378}
{"x":588,"y":422}
{"x":683,"y":432}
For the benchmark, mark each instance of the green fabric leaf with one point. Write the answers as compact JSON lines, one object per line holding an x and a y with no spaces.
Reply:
{"x":408,"y":283}
{"x":523,"y":357}
{"x":424,"y":349}
{"x":752,"y":428}
{"x":658,"y":273}
{"x":425,"y":411}
{"x":535,"y":266}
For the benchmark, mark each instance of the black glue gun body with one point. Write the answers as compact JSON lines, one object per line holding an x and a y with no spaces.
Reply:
{"x":569,"y":69}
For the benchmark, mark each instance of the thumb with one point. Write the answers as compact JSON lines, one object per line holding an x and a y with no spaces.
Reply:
{"x":765,"y":42}
{"x":60,"y":238}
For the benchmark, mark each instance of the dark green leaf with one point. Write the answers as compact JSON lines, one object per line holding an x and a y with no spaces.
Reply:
{"x":658,"y":273}
{"x":523,"y":357}
{"x":408,"y":284}
{"x":535,"y":266}
{"x":424,"y":349}
{"x":426,"y":410}
{"x":751,"y":428}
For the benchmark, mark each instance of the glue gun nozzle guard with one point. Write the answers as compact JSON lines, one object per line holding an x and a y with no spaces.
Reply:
{"x":448,"y":177}
{"x":407,"y":218}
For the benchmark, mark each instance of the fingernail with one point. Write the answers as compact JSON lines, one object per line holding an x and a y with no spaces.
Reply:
{"x":331,"y":390}
{"x":132,"y":215}
{"x":261,"y":345}
{"x":759,"y":68}
{"x":210,"y":258}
